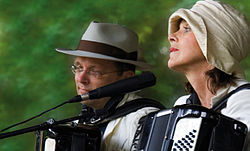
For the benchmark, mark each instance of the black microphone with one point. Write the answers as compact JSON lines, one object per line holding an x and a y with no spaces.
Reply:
{"x":131,"y":84}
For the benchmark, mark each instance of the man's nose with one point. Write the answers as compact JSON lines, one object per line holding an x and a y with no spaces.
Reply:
{"x":83,"y":76}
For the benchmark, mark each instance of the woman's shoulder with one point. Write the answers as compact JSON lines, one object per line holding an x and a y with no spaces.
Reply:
{"x":242,"y":92}
{"x":181,"y":100}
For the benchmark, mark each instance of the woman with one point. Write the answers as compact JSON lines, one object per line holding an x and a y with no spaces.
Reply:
{"x":208,"y":42}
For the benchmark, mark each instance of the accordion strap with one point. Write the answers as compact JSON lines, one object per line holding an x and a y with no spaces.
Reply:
{"x":133,"y":106}
{"x":222,"y":103}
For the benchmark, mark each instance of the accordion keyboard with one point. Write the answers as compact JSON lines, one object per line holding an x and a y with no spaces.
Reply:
{"x":186,"y":134}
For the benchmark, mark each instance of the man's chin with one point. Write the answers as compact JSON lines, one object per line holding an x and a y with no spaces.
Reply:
{"x":80,"y":92}
{"x":96,"y":103}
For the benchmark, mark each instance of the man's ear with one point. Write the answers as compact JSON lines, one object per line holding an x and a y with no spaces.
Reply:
{"x":129,"y":73}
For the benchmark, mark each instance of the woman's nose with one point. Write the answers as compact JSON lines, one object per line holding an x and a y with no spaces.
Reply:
{"x":172,"y":38}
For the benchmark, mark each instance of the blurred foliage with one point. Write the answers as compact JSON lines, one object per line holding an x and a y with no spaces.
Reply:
{"x":35,"y":78}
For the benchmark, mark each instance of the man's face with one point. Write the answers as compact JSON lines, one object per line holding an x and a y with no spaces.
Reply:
{"x":94,"y":73}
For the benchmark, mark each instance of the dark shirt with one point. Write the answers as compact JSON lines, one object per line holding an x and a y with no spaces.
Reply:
{"x":96,"y":116}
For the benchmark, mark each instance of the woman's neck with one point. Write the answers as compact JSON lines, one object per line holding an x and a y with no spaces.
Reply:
{"x":199,"y":82}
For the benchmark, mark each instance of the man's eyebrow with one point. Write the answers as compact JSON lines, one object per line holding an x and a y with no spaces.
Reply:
{"x":79,"y":64}
{"x":76,"y":62}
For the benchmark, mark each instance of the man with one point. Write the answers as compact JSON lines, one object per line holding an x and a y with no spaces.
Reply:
{"x":108,"y":53}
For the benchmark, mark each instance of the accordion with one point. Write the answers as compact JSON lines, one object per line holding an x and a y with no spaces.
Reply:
{"x":189,"y":128}
{"x":69,"y":138}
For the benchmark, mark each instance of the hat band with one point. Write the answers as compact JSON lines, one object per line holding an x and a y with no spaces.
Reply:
{"x":105,"y":49}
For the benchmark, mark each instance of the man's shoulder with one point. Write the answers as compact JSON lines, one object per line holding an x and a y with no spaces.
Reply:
{"x":132,"y":100}
{"x":139,"y":106}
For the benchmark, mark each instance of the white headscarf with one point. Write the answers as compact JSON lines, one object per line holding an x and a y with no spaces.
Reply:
{"x":222,"y":32}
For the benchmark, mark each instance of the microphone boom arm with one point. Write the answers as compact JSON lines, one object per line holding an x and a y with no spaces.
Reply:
{"x":46,"y":125}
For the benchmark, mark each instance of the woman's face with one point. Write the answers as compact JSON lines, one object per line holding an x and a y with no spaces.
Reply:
{"x":185,"y":53}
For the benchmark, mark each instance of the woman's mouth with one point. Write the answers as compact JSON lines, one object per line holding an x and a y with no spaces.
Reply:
{"x":172,"y":49}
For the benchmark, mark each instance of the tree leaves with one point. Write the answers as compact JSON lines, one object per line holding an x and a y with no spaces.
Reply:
{"x":35,"y":78}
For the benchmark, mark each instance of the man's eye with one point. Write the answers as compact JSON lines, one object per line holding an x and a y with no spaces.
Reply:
{"x":95,"y":72}
{"x":79,"y":68}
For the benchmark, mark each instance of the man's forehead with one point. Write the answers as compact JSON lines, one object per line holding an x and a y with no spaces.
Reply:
{"x":93,"y":61}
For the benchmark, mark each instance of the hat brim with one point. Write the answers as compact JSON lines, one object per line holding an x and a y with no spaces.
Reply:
{"x":140,"y":65}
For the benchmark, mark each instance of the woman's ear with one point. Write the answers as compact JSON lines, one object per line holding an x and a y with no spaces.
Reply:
{"x":210,"y":67}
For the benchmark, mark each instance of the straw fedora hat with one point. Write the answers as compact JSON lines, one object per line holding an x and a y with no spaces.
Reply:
{"x":109,"y":42}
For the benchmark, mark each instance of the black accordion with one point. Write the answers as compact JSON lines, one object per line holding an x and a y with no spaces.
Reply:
{"x":189,"y":128}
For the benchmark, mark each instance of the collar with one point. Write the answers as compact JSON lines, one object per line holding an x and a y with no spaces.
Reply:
{"x":109,"y":107}
{"x":193,"y":99}
{"x":224,"y":91}
{"x":91,"y":116}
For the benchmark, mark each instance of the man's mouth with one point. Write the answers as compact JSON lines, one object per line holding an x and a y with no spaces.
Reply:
{"x":83,"y":91}
{"x":172,"y":49}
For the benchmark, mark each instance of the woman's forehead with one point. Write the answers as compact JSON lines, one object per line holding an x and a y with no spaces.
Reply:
{"x":183,"y":22}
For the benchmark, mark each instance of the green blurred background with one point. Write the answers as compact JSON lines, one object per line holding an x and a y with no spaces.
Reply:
{"x":34,"y":77}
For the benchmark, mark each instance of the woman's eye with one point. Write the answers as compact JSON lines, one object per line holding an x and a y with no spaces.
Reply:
{"x":187,"y":29}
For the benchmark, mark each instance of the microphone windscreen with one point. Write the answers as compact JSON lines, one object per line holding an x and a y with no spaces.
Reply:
{"x":131,"y":84}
